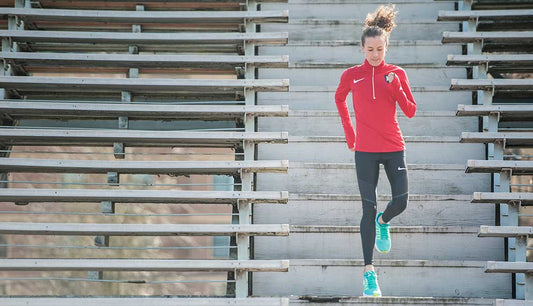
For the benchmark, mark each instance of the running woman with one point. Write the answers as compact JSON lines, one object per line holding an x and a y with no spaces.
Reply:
{"x":376,"y":88}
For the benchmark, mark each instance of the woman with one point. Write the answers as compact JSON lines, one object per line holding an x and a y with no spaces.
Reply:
{"x":376,"y":87}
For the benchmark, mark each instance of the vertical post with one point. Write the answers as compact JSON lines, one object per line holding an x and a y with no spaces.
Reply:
{"x":243,"y":278}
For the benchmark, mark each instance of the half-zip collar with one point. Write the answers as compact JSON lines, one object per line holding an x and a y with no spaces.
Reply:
{"x":367,"y":67}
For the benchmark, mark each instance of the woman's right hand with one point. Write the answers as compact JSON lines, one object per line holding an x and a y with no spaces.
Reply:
{"x":352,"y":149}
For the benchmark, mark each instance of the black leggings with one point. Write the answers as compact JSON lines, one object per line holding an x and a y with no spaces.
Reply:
{"x":367,"y":167}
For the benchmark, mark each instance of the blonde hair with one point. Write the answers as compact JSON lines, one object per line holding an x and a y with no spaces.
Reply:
{"x":380,"y":23}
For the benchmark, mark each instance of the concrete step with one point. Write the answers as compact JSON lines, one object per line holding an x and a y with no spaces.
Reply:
{"x":320,"y":29}
{"x":408,"y":10}
{"x":326,"y":277}
{"x":346,"y":210}
{"x":419,"y":76}
{"x":309,"y":300}
{"x":141,"y":301}
{"x":408,"y":242}
{"x":419,"y":149}
{"x":328,"y":123}
{"x":348,"y":52}
{"x":341,"y":177}
{"x":428,"y":98}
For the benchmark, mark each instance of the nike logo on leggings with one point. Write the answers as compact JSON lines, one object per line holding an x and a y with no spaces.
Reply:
{"x":402,"y":168}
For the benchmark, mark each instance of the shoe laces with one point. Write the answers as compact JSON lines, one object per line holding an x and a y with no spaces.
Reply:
{"x":370,"y":280}
{"x":384,"y":231}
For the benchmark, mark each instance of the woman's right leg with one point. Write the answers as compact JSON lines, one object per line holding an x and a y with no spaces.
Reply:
{"x":367,"y":168}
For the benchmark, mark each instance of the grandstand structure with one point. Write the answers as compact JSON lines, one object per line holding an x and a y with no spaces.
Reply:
{"x":173,"y":152}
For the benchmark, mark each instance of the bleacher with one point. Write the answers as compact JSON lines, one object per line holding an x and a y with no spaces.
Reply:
{"x":175,"y":120}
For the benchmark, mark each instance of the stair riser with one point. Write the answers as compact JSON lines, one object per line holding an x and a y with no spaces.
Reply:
{"x":325,"y":100}
{"x":308,"y":180}
{"x":428,"y":246}
{"x":330,"y":76}
{"x":337,"y":152}
{"x":419,"y":213}
{"x":393,"y":280}
{"x":332,"y":126}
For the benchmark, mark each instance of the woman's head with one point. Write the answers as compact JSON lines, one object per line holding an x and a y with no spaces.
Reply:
{"x":376,"y":32}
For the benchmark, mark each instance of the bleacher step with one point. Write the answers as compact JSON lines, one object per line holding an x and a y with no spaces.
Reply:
{"x":143,"y":301}
{"x":399,"y":300}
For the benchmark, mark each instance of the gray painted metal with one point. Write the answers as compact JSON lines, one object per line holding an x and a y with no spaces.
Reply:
{"x":505,"y":112}
{"x":488,"y":37}
{"x":142,"y":265}
{"x":144,"y":60}
{"x":406,"y":278}
{"x":502,"y":197}
{"x":134,"y":85}
{"x":491,"y":84}
{"x":30,"y":109}
{"x":144,"y":301}
{"x":26,"y":228}
{"x":21,"y":195}
{"x":504,"y":231}
{"x":494,"y":166}
{"x":137,"y":138}
{"x":518,"y":138}
{"x":146,"y":167}
{"x":464,"y":15}
{"x":143,"y":38}
{"x":59,"y":15}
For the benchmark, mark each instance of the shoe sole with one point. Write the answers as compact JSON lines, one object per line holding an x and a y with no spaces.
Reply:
{"x":378,"y":295}
{"x":380,"y":251}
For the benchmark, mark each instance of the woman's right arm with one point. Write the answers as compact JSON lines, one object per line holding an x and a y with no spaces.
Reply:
{"x":340,"y":100}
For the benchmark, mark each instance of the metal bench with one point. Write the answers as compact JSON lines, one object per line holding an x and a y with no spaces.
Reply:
{"x":509,"y":139}
{"x":504,"y":112}
{"x":494,"y":166}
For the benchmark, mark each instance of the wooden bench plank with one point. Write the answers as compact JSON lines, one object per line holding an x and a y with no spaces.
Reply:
{"x":507,"y":111}
{"x":488,"y":37}
{"x":490,"y":84}
{"x":136,"y":85}
{"x":31,"y":15}
{"x":259,"y":38}
{"x":144,"y":60}
{"x":504,"y":231}
{"x":27,"y":195}
{"x":508,"y":267}
{"x":85,"y":229}
{"x":493,"y":60}
{"x":463,"y":15}
{"x":141,"y":167}
{"x":143,"y":301}
{"x":495,"y":166}
{"x":517,"y":138}
{"x":29,"y":109}
{"x":502,"y":197}
{"x":84,"y":137}
{"x":142,"y":265}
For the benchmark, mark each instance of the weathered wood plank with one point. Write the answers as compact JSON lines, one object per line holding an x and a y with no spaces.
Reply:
{"x":502,"y":197}
{"x":490,"y":84}
{"x":504,"y":231}
{"x":85,"y":229}
{"x":25,"y":109}
{"x":495,"y":166}
{"x":142,"y":265}
{"x":508,"y":267}
{"x":464,"y":15}
{"x":136,"y":137}
{"x":517,"y":138}
{"x":265,"y":38}
{"x":23,"y":195}
{"x":29,"y":14}
{"x":488,"y":37}
{"x":144,"y":167}
{"x":507,"y":112}
{"x":493,"y":60}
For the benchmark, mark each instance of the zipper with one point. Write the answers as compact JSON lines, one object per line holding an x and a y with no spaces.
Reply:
{"x":373,"y":90}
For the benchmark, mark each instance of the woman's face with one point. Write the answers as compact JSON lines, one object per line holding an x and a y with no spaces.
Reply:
{"x":375,"y":49}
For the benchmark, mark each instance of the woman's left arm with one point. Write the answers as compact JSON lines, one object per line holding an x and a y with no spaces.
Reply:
{"x":402,"y":93}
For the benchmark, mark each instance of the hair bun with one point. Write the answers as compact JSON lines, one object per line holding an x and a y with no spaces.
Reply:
{"x":383,"y":18}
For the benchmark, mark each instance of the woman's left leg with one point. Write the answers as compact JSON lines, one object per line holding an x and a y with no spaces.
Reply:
{"x":396,"y":169}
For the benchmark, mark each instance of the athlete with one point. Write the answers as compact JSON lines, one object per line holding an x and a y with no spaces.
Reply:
{"x":377,"y":139}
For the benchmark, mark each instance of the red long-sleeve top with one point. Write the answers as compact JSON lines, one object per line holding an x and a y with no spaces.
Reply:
{"x":374,"y":102}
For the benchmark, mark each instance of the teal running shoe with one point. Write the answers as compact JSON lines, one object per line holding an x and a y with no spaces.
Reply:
{"x":370,"y":284}
{"x":383,"y":241}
